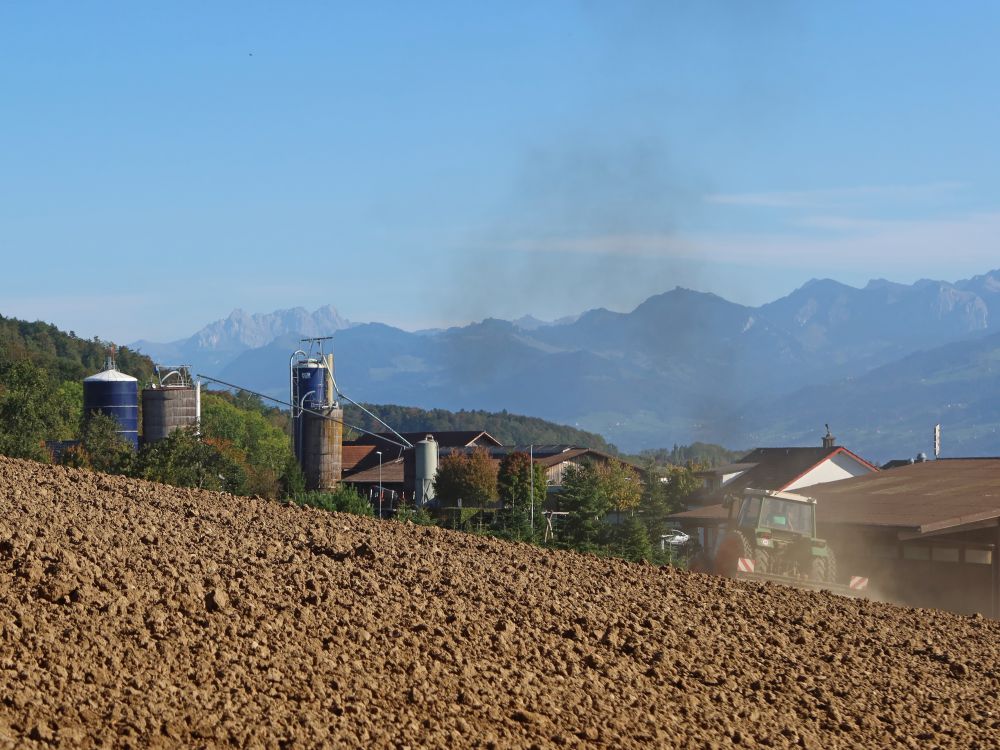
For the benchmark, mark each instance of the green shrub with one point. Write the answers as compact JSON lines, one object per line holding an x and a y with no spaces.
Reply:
{"x":418,"y":516}
{"x":343,"y":499}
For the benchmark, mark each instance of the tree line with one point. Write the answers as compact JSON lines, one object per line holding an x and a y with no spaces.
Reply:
{"x":706,"y":454}
{"x":602,"y":507}
{"x":65,"y":356}
{"x":509,"y":429}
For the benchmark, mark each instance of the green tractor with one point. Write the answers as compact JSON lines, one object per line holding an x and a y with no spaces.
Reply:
{"x":774,"y":536}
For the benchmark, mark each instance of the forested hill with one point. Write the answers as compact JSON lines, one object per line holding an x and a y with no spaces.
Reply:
{"x":41,"y":383}
{"x":509,"y":429}
{"x":708,"y":454}
{"x":64,"y":356}
{"x":244,"y":449}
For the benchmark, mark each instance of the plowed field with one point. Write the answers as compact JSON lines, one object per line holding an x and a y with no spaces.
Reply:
{"x":133,"y":614}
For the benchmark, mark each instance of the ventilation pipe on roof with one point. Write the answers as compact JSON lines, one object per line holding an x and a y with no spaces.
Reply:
{"x":828,"y":439}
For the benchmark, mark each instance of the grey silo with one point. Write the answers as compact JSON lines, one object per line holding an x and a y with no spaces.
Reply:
{"x":171,"y":402}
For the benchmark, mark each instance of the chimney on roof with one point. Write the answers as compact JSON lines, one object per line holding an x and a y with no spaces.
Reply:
{"x":828,"y":439}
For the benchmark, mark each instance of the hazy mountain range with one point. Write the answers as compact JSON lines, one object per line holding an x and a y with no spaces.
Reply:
{"x":220,"y":342}
{"x":881,"y":364}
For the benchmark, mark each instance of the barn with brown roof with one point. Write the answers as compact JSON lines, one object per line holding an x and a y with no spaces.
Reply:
{"x":380,"y":461}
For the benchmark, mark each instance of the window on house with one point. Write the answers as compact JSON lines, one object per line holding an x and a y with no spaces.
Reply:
{"x":944,"y":554}
{"x":884,"y":551}
{"x":915,"y":552}
{"x":979,"y":556}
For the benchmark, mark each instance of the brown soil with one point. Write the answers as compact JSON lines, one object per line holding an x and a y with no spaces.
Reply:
{"x":134,"y":614}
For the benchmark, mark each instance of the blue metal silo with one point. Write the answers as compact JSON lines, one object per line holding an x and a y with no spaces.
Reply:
{"x":117,"y":395}
{"x":308,"y":395}
{"x":310,"y":384}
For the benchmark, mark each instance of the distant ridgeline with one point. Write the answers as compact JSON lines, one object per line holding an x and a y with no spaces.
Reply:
{"x":64,"y":356}
{"x":509,"y":429}
{"x":696,"y":453}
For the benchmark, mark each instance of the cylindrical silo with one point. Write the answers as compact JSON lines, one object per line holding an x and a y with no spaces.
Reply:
{"x":317,"y":420}
{"x":310,"y":384}
{"x":426,"y":456}
{"x":321,"y":447}
{"x":117,"y":395}
{"x":167,"y":409}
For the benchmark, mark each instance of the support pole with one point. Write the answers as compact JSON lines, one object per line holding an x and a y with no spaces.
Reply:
{"x":995,"y":587}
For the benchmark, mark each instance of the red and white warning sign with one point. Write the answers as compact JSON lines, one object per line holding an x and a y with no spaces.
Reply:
{"x":858,"y":583}
{"x":744,"y":565}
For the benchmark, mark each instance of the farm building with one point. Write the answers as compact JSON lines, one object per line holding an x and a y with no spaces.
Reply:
{"x":396,"y":468}
{"x":379,"y":461}
{"x":555,"y":459}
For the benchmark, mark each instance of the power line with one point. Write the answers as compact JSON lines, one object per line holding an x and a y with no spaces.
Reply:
{"x":314,"y":413}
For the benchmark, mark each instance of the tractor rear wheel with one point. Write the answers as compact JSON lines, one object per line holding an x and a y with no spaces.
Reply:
{"x":734,"y":546}
{"x":824,"y":569}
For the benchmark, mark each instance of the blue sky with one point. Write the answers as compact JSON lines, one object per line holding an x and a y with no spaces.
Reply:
{"x":430,"y":163}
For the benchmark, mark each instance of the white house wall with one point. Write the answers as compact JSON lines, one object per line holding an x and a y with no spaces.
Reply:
{"x":727,"y":478}
{"x":833,"y":469}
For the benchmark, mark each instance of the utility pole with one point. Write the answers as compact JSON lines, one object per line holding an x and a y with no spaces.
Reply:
{"x":379,"y":484}
{"x":531,"y":473}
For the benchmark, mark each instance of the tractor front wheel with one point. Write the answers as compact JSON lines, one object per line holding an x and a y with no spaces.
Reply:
{"x":762,"y":560}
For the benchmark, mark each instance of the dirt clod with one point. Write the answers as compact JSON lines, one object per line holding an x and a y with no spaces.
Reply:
{"x":216,"y":600}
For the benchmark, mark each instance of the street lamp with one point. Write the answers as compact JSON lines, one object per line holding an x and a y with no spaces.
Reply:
{"x":379,"y":483}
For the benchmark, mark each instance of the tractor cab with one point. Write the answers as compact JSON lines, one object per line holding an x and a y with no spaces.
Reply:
{"x":781,"y":513}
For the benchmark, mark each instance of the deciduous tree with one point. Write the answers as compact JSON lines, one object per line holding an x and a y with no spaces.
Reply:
{"x":29,"y":411}
{"x":104,"y":448}
{"x":183,"y":460}
{"x":620,"y":483}
{"x":250,"y":440}
{"x":470,"y":477}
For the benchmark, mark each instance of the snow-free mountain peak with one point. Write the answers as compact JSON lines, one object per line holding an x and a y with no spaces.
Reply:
{"x":220,"y":341}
